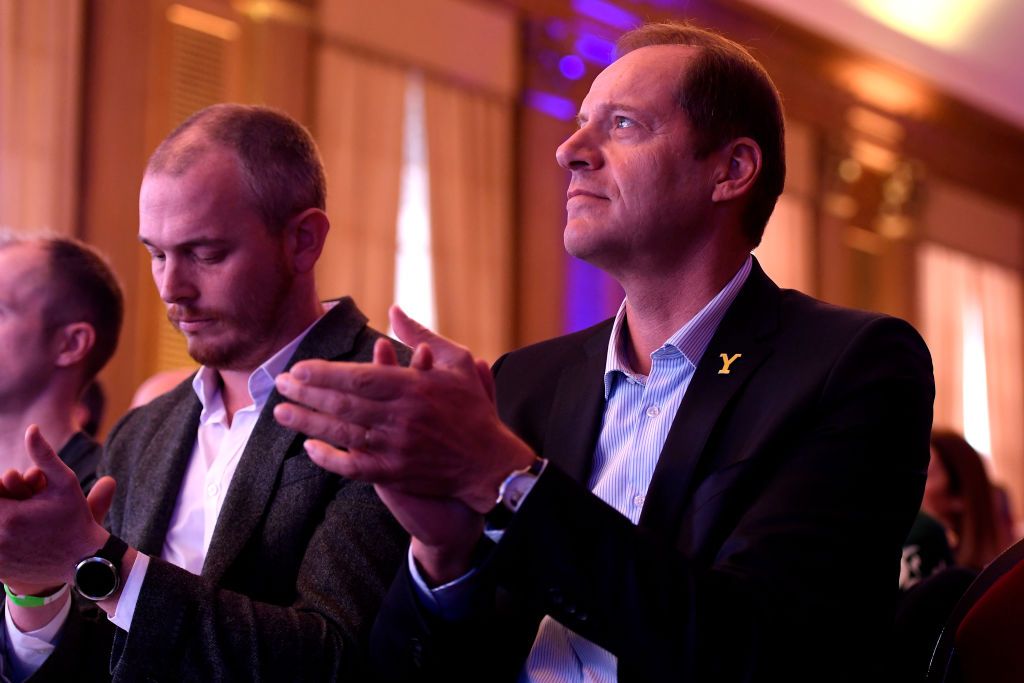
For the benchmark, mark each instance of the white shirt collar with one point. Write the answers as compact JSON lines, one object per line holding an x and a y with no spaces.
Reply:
{"x":207,"y":383}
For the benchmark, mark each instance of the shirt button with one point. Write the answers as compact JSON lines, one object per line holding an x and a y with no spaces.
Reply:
{"x":653,"y":411}
{"x":212,"y":490}
{"x":638,"y":500}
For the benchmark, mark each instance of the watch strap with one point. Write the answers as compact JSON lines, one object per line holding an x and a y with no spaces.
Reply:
{"x":113,"y":551}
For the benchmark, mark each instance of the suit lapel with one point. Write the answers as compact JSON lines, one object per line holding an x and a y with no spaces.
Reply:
{"x":577,"y":409}
{"x":747,"y":329}
{"x":152,"y":497}
{"x":260,"y":464}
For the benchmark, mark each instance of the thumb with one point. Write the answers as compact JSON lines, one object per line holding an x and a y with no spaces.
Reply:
{"x":446,"y":352}
{"x":100,"y":498}
{"x":43,"y":456}
{"x":410,"y":332}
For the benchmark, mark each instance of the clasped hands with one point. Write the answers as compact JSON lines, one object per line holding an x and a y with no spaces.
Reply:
{"x":46,"y":523}
{"x":428,"y":436}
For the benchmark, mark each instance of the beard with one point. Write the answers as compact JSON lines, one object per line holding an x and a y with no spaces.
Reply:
{"x":240,"y":335}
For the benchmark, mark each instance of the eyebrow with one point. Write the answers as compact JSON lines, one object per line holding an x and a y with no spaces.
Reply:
{"x":612,"y":106}
{"x":190,"y":244}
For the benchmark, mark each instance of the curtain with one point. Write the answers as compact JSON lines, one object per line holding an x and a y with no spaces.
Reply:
{"x":469,"y":146}
{"x":785,"y":252}
{"x":950,"y":282}
{"x":40,"y":64}
{"x":1002,"y":303}
{"x":943,"y":285}
{"x":358,"y":125}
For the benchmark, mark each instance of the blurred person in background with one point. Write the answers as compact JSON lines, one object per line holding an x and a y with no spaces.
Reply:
{"x":958,"y":494}
{"x":60,"y":317}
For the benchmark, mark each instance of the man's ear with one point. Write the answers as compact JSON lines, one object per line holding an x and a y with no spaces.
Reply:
{"x":741,"y":165}
{"x":305,"y":235}
{"x":74,"y":342}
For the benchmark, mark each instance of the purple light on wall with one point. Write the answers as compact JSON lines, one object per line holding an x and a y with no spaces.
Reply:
{"x":552,"y":105}
{"x":590,"y":295}
{"x":606,"y":12}
{"x":572,"y":67}
{"x":557,"y":29}
{"x":593,"y":48}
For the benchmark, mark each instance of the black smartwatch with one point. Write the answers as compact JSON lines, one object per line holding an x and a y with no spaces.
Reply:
{"x":98,"y":576}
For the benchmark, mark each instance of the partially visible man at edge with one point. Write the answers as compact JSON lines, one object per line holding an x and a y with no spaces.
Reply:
{"x":61,"y":310}
{"x":240,"y":559}
{"x":712,"y":486}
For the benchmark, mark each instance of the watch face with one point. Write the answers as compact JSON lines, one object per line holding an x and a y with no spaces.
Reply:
{"x":96,"y":578}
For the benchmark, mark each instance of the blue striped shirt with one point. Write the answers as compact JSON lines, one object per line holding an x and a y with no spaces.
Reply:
{"x":639,"y":411}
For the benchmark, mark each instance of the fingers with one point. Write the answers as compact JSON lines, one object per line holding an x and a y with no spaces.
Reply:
{"x":35,"y":479}
{"x":44,"y":457}
{"x":351,"y":464}
{"x":384,"y":352}
{"x":422,"y":358}
{"x":332,"y":404}
{"x":446,"y":352}
{"x":332,"y":428}
{"x":14,"y":486}
{"x":368,"y":380}
{"x":100,"y":498}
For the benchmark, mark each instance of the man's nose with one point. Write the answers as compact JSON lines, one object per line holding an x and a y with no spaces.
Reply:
{"x":579,"y":151}
{"x":174,"y":281}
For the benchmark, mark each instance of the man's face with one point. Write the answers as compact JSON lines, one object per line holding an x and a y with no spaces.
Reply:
{"x":637,"y":196}
{"x":221,"y":273}
{"x":26,"y":347}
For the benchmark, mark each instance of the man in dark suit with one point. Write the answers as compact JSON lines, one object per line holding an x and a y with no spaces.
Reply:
{"x":240,"y":559}
{"x":713,"y":486}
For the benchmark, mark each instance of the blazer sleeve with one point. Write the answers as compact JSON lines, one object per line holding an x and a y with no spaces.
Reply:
{"x":186,"y":627}
{"x":803,"y":535}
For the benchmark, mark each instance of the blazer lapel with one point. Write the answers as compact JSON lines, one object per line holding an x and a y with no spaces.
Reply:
{"x":260,"y":464}
{"x":746,"y":329}
{"x":152,"y":497}
{"x":577,"y":409}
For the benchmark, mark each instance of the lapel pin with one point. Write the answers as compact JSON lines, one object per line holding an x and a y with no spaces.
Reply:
{"x":727,"y":361}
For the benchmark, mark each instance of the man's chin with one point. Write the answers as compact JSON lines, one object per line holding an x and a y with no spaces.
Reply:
{"x":217,"y":356}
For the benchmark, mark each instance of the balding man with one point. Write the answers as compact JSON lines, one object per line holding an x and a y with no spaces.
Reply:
{"x":714,"y":485}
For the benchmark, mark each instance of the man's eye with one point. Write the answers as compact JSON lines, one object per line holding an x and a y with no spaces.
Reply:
{"x":156,"y":256}
{"x":624,"y":122}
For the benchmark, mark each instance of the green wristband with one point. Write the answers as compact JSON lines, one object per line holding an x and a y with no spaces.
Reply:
{"x":34,"y":600}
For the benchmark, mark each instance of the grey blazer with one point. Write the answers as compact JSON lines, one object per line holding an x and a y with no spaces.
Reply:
{"x":299,"y":561}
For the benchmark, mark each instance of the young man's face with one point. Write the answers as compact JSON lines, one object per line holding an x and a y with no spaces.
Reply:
{"x":27,"y":350}
{"x":638,"y":196}
{"x":222,"y":274}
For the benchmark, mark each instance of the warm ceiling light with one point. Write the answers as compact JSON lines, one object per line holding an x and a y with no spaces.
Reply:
{"x":941,"y":23}
{"x":883,"y":88}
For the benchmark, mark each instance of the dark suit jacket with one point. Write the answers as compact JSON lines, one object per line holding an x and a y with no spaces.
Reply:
{"x":82,"y":455}
{"x":300,"y":558}
{"x":769,"y":543}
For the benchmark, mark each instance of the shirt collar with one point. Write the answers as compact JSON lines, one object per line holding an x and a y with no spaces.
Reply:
{"x":690,"y":340}
{"x":207,"y":384}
